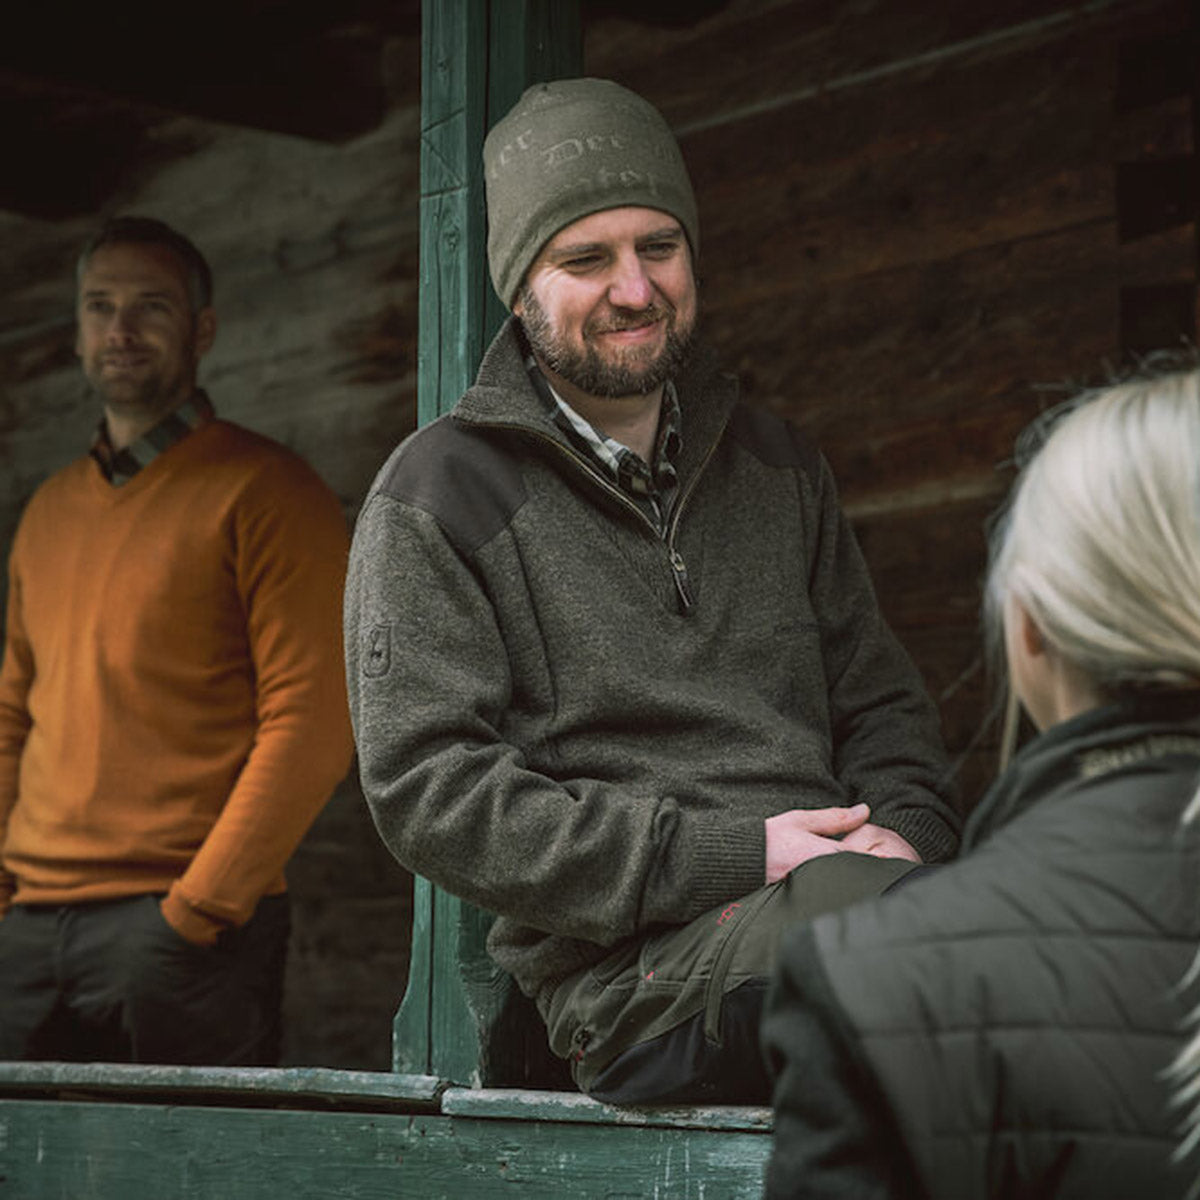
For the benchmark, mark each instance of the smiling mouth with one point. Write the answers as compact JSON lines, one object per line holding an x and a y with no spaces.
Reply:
{"x":123,"y":362}
{"x":643,"y":326}
{"x":631,"y":332}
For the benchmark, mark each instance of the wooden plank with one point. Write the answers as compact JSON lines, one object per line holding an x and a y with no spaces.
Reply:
{"x":293,"y":1086}
{"x":453,"y":107}
{"x":902,"y":175}
{"x":928,"y":373}
{"x":89,"y":1151}
{"x":468,"y":989}
{"x":757,"y":56}
{"x":450,"y":343}
{"x":902,"y":546}
{"x":916,"y":382}
{"x":477,"y":58}
{"x":501,"y":1103}
{"x":412,"y":1034}
{"x":530,"y":41}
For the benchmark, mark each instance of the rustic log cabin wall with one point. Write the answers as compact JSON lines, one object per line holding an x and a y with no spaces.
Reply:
{"x":912,"y":236}
{"x":919,"y":219}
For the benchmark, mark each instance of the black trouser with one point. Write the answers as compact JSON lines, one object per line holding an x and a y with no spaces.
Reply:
{"x":111,"y":981}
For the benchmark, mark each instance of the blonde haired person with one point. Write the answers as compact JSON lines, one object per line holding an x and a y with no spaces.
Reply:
{"x":1006,"y":1026}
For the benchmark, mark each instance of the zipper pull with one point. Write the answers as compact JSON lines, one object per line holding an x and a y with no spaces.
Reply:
{"x":679,"y":567}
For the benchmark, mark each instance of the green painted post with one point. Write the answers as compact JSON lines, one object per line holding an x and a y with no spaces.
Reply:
{"x":530,"y":40}
{"x":453,"y":113}
{"x":477,"y":56}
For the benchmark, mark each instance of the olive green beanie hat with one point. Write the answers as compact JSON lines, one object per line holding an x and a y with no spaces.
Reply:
{"x":570,"y":148}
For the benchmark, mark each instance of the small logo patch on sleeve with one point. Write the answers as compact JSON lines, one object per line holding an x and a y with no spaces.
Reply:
{"x":377,"y":656}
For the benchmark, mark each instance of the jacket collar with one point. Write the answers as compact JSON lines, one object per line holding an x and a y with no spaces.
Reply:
{"x":1095,"y":743}
{"x":504,"y":397}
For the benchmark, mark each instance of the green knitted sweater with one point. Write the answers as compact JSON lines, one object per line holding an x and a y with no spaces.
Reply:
{"x":581,"y":725}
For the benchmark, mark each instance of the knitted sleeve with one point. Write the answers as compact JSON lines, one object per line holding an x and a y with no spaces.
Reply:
{"x":16,"y":675}
{"x":887,"y":741}
{"x":290,"y":552}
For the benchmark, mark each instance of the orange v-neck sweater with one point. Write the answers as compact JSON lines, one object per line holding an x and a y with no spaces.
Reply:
{"x":172,"y":700}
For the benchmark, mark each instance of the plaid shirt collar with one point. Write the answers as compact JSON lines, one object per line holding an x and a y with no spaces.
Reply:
{"x":654,"y":485}
{"x":120,"y":466}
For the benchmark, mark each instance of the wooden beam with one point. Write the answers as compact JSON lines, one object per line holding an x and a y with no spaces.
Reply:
{"x":477,"y":57}
{"x":138,"y":1151}
{"x":1006,"y":37}
{"x":250,"y":1087}
{"x":453,"y":110}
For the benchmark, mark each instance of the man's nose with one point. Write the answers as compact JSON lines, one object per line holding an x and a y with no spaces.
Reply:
{"x":630,"y":286}
{"x":121,"y":326}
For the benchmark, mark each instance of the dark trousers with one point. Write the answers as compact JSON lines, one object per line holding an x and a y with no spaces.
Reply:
{"x":112,"y":982}
{"x":674,"y":1018}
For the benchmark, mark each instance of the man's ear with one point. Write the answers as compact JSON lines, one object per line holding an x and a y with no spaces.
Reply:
{"x":206,"y":330}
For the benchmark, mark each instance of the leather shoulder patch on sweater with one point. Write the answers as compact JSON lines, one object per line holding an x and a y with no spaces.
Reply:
{"x":466,"y":478}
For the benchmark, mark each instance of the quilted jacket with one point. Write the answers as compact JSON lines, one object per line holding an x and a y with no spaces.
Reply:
{"x":1001,"y":1027}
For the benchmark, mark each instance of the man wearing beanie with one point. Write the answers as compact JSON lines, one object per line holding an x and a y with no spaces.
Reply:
{"x":616,"y":669}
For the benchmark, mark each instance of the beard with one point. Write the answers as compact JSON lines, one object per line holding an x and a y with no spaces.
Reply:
{"x":149,"y":392}
{"x":632,"y":372}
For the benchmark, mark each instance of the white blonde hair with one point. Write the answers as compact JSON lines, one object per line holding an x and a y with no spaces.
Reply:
{"x":1101,"y":547}
{"x":1101,"y":543}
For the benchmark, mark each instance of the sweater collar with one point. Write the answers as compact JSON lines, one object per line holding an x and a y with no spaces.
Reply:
{"x":120,"y":466}
{"x":503,"y":396}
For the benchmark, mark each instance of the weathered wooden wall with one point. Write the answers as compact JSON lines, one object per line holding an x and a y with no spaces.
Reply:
{"x":918,"y":218}
{"x":909,"y":232}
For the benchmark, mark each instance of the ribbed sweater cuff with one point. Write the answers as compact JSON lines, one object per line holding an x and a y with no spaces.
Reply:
{"x":729,"y":859}
{"x":191,"y":925}
{"x":925,"y":831}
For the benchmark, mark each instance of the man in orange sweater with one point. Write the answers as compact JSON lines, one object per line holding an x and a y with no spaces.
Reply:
{"x":172,"y":702}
